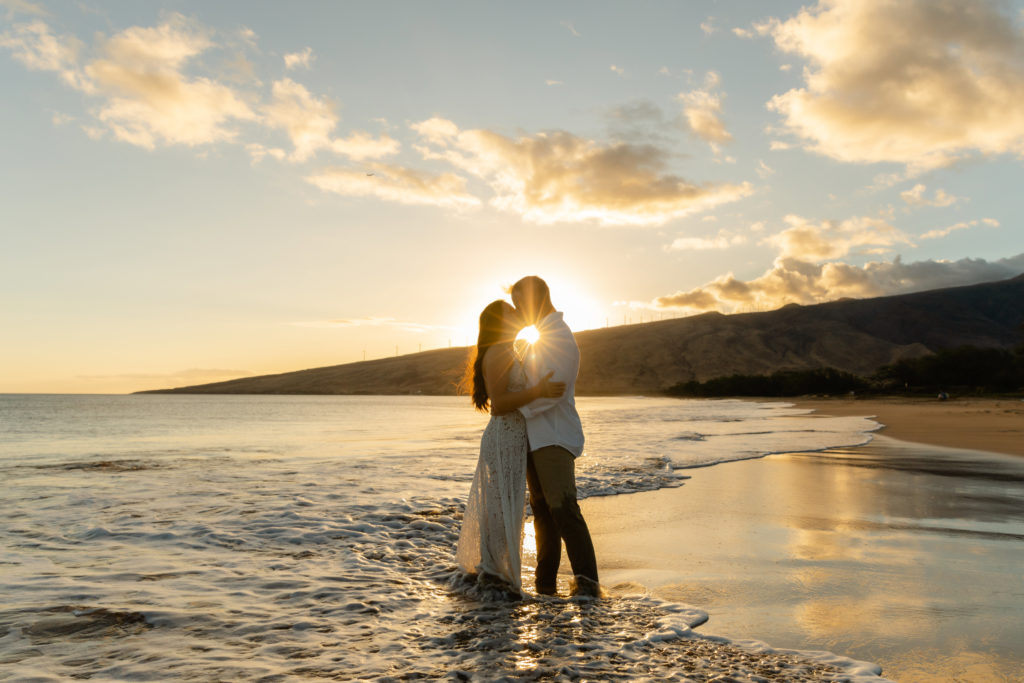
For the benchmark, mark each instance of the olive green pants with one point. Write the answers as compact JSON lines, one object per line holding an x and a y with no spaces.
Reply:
{"x":551,"y":477}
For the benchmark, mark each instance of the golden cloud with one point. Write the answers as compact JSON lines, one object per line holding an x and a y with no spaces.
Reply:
{"x":723,"y":240}
{"x":702,"y":110}
{"x":557,"y":176}
{"x":398,"y":184}
{"x":794,"y":281}
{"x":915,"y":82}
{"x":807,"y":241}
{"x":150,"y":100}
{"x":307,"y":120}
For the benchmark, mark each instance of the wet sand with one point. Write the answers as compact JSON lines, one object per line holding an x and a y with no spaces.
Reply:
{"x":898,"y":553}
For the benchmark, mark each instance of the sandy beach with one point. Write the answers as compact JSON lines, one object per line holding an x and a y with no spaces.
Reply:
{"x":898,"y":552}
{"x":994,"y":425}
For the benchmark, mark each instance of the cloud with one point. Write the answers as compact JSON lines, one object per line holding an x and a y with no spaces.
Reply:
{"x":361,"y":146}
{"x":963,"y":225}
{"x":38,"y":49}
{"x":150,"y":100}
{"x":708,"y":26}
{"x":915,"y":197}
{"x":397,"y":184}
{"x":723,"y":240}
{"x":916,"y":82}
{"x":807,"y":241}
{"x":794,"y":281}
{"x":572,"y":29}
{"x":763,"y":169}
{"x":551,"y":81}
{"x":259,"y":152}
{"x":618,"y":69}
{"x":309,"y":121}
{"x":147,"y":99}
{"x":558,"y":177}
{"x":295,"y":60}
{"x":15,"y":7}
{"x":702,"y":109}
{"x":742,"y":33}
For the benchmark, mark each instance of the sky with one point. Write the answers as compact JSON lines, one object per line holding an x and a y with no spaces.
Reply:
{"x":195,"y":191}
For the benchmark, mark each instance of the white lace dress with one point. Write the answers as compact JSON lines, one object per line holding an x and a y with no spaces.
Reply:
{"x":491,"y":539}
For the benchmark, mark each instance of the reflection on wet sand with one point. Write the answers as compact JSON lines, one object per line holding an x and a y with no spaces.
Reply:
{"x":896,"y":553}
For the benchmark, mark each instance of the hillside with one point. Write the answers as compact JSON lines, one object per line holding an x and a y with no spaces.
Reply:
{"x":852,"y":335}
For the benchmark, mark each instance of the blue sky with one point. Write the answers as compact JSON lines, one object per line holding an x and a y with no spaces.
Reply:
{"x":194,"y":191}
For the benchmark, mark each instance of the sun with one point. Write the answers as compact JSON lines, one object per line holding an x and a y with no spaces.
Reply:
{"x":530,"y":335}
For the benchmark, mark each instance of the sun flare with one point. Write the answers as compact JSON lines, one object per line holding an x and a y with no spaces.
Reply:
{"x":530,"y":335}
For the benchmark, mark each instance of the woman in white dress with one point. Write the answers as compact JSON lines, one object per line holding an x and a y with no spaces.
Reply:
{"x":490,"y":543}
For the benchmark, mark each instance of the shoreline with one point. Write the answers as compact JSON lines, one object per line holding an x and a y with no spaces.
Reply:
{"x":891,"y":552}
{"x":980,"y":424}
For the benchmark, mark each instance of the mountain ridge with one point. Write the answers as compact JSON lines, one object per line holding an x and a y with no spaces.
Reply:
{"x":854,"y":335}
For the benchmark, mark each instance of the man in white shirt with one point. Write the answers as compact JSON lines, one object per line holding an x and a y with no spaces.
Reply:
{"x":556,"y":440}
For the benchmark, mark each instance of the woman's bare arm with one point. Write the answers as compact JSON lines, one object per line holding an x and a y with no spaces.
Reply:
{"x":497,"y":367}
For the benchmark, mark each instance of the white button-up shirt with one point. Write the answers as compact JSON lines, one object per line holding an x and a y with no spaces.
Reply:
{"x":554,"y":421}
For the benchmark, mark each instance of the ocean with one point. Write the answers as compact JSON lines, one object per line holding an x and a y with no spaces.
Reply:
{"x":175,"y":537}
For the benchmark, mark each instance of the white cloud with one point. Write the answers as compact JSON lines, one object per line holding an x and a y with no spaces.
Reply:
{"x":552,"y":82}
{"x":702,"y":109}
{"x":618,"y":69}
{"x":915,"y":82}
{"x":559,"y":177}
{"x":915,"y":197}
{"x":743,"y":33}
{"x":572,"y":29}
{"x":708,"y":26}
{"x":295,"y":60}
{"x":397,"y":184}
{"x":763,"y":169}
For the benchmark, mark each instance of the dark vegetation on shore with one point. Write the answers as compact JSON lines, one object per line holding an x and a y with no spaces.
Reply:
{"x":966,"y":370}
{"x":734,"y":354}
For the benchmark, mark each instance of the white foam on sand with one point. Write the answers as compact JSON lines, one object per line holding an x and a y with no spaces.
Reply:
{"x":266,"y":542}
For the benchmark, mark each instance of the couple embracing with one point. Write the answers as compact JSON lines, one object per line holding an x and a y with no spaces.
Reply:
{"x":531,"y":441}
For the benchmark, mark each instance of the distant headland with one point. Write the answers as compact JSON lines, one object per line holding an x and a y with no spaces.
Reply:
{"x":856,"y":336}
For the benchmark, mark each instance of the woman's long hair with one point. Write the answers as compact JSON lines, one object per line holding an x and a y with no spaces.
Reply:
{"x":492,"y":328}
